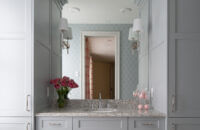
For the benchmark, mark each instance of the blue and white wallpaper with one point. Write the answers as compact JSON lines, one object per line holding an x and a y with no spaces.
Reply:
{"x":71,"y":65}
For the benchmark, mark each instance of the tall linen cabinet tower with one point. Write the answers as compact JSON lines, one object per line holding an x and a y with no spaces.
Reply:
{"x":175,"y":61}
{"x":30,"y":54}
{"x":183,"y":64}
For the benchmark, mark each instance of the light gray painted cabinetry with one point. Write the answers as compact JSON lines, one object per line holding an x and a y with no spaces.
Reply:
{"x":100,"y":123}
{"x":54,"y":123}
{"x":146,"y":124}
{"x":184,"y":60}
{"x":15,"y":58}
{"x":25,"y":57}
{"x":15,"y":123}
{"x":184,"y":124}
{"x":16,"y":64}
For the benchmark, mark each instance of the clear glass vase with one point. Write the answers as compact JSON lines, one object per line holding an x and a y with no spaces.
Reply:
{"x":61,"y":101}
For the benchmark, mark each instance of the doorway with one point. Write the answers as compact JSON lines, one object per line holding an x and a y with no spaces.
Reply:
{"x":100,"y":65}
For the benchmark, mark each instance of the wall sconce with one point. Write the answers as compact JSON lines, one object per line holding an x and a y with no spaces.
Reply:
{"x":134,"y":34}
{"x":66,"y":34}
{"x":63,"y":25}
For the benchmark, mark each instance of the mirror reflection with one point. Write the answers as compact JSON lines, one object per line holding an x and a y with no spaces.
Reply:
{"x":106,"y":48}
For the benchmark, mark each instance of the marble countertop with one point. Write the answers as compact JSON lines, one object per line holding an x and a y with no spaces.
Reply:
{"x":85,"y":113}
{"x":75,"y":109}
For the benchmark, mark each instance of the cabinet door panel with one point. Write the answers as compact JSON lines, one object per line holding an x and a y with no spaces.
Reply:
{"x":15,"y":123}
{"x":183,"y":58}
{"x":184,"y":123}
{"x":100,"y":124}
{"x":15,"y":57}
{"x":184,"y":79}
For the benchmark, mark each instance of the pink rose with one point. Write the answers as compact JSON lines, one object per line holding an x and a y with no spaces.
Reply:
{"x":72,"y":84}
{"x":54,"y":81}
{"x":57,"y":86}
{"x":64,"y":83}
{"x":66,"y":78}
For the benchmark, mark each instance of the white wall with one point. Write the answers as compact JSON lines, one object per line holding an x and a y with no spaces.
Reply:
{"x":158,"y":54}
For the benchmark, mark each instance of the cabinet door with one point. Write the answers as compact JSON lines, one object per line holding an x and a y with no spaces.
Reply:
{"x":15,"y":123}
{"x":184,"y":124}
{"x":100,"y":124}
{"x":184,"y":58}
{"x":15,"y":57}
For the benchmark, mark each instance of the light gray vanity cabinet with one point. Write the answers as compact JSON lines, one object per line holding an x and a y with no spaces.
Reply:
{"x":15,"y":123}
{"x":184,"y":60}
{"x":54,"y":123}
{"x":146,"y":124}
{"x":183,"y":124}
{"x":85,"y":123}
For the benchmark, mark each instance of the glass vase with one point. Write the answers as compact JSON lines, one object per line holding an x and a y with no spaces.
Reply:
{"x":61,"y":100}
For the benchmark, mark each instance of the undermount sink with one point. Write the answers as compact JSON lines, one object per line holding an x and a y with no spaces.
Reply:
{"x":105,"y":110}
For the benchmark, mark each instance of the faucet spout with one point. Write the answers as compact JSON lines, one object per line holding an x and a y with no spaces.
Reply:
{"x":99,"y":96}
{"x":100,"y":104}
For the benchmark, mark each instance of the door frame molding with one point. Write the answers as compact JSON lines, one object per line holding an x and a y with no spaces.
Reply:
{"x":85,"y":34}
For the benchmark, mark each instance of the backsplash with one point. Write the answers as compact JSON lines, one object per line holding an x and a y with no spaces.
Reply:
{"x":128,"y":62}
{"x":93,"y":104}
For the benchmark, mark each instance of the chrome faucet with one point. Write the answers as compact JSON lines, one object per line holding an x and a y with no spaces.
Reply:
{"x":100,"y":103}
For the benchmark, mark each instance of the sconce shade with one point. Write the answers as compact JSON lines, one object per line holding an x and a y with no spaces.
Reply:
{"x":130,"y":36}
{"x":63,"y":26}
{"x":137,"y":25}
{"x":68,"y":33}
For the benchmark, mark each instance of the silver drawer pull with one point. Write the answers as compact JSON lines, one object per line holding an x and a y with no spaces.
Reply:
{"x":173,"y":103}
{"x":173,"y":127}
{"x":27,"y":126}
{"x":55,"y":124}
{"x":27,"y":103}
{"x":148,"y":124}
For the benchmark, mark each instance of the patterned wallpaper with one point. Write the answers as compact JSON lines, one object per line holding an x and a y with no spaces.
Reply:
{"x":128,"y":62}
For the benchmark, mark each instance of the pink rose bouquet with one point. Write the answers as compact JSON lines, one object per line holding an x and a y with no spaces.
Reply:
{"x":63,"y":87}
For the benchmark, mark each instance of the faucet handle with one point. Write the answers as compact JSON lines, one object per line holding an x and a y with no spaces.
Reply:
{"x":92,"y":105}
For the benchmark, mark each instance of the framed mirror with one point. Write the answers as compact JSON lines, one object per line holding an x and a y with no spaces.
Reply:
{"x":108,"y":54}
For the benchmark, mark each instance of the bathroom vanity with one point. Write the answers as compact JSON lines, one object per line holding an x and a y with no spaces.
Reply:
{"x":166,"y":62}
{"x":99,"y":123}
{"x":120,"y":118}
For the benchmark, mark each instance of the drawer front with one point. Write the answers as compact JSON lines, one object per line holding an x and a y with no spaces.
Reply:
{"x":53,"y":123}
{"x":145,"y":124}
{"x":183,"y":123}
{"x":100,"y":124}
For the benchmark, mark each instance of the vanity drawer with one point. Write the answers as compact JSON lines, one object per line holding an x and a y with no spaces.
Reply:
{"x":100,"y":123}
{"x":53,"y":123}
{"x":146,"y":124}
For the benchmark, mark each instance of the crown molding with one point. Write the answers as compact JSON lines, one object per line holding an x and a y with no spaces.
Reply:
{"x":61,"y":3}
{"x":140,"y":3}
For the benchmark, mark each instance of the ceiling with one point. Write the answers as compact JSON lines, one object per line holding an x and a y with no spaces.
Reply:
{"x":100,"y":11}
{"x":102,"y":48}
